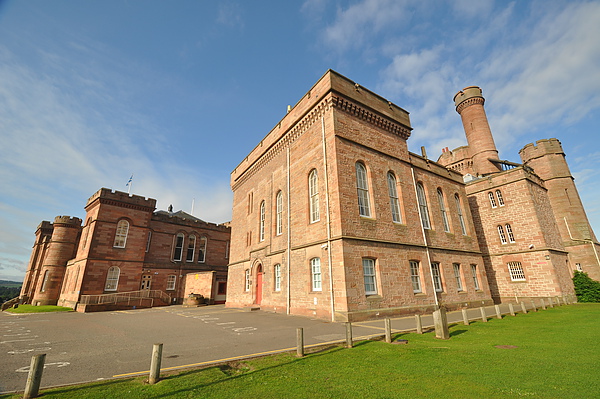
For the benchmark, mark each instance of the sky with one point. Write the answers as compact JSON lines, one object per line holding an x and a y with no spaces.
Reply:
{"x":177,"y":93}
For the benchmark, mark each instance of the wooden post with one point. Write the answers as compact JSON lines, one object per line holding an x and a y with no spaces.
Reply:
{"x":465,"y":317}
{"x":440,"y":322}
{"x":348,"y":335}
{"x":483,"y":315}
{"x":498,"y":313}
{"x":155,"y":364}
{"x":419,"y":324}
{"x":533,"y":304}
{"x":566,"y":300}
{"x":551,"y":302}
{"x":299,"y":342}
{"x":34,"y":378}
{"x":388,"y":331}
{"x":543,"y":303}
{"x":511,"y":309}
{"x":523,"y":307}
{"x":558,"y":301}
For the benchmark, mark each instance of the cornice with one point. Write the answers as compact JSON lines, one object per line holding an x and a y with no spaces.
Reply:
{"x":468,"y":102}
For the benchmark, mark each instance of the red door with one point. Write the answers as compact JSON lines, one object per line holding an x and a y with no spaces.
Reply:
{"x":259,"y":283}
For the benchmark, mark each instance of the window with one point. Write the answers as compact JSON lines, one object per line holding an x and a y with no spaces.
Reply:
{"x":279,"y":213}
{"x":112,"y":279}
{"x":149,"y":240}
{"x":178,"y":247}
{"x":191,"y":249}
{"x":414,"y":276}
{"x":501,"y":234}
{"x":474,"y":274}
{"x":247,"y":280}
{"x":437,"y":277}
{"x":393,"y":193}
{"x":461,"y":219}
{"x":456,"y":268}
{"x":313,"y":193}
{"x":423,"y":211}
{"x":511,"y":237}
{"x":362,"y":187}
{"x":500,"y":199}
{"x":578,"y":267}
{"x":121,"y":234}
{"x":87,"y":231}
{"x":250,"y":202}
{"x":277,"y":276}
{"x":202,"y":250}
{"x":369,"y":275}
{"x":516,"y":271}
{"x":492,"y":200}
{"x":262,"y":221}
{"x":222,"y":288}
{"x":315,"y":268}
{"x":443,"y":210}
{"x":45,"y":282}
{"x":171,"y":282}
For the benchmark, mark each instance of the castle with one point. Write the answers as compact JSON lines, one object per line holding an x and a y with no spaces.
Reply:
{"x":334,"y":218}
{"x":126,"y":246}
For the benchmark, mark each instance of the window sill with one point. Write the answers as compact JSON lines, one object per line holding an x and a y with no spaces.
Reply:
{"x":462,"y":292}
{"x":374,"y":297}
{"x":420,"y":294}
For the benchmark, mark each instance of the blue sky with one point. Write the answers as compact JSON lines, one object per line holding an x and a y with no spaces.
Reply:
{"x":179,"y":92}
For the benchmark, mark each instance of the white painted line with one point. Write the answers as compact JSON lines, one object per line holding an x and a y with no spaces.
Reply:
{"x":18,"y":340}
{"x":229,"y":322}
{"x":21,"y":351}
{"x":244,"y":329}
{"x":57,"y":364}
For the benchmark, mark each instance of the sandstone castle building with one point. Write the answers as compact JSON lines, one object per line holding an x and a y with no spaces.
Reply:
{"x":126,"y":246}
{"x":334,"y":218}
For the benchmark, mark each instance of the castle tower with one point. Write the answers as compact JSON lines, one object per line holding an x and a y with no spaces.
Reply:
{"x":469,"y":104}
{"x":547,"y":159}
{"x":43,"y":234}
{"x":61,"y":248}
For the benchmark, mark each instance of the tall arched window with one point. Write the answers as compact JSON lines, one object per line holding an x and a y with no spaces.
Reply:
{"x":500,"y":198}
{"x":178,"y":247}
{"x":461,"y":219}
{"x":492,"y":199}
{"x":121,"y":234}
{"x":502,"y":235}
{"x":423,"y":211}
{"x":262,"y":221}
{"x":313,"y":193}
{"x":112,"y":279}
{"x":443,"y":210}
{"x":362,"y":188}
{"x":202,"y":250}
{"x":191,"y":249}
{"x":511,"y":237}
{"x":279,"y":219}
{"x":394,"y":202}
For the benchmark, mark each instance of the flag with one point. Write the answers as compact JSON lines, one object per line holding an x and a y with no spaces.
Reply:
{"x":129,"y":181}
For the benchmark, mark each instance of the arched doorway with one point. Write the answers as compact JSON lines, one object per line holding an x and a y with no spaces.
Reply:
{"x":259,"y":284}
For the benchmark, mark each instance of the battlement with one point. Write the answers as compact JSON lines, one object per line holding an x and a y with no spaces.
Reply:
{"x":119,"y":196}
{"x":468,"y":93}
{"x":45,"y":225}
{"x":67,"y":221}
{"x":541,"y":148}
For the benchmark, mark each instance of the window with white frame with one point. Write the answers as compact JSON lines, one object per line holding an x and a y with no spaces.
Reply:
{"x":459,"y":285}
{"x":177,"y":253}
{"x":394,"y":202}
{"x":415,"y":277}
{"x":362,"y":188}
{"x":261,"y":235}
{"x":191,"y":249}
{"x":578,"y":267}
{"x":423,"y":211}
{"x":202,"y":250}
{"x":315,"y":271}
{"x":247,"y":280}
{"x":511,"y":237}
{"x":279,"y":213}
{"x":500,"y":198}
{"x":492,"y":199}
{"x":440,"y":196}
{"x":45,"y":281}
{"x":121,"y":234}
{"x":171,"y":279}
{"x":474,"y":275}
{"x":437,"y":277}
{"x":516,"y":271}
{"x":277,"y":276}
{"x":313,"y":193}
{"x":461,"y":219}
{"x":112,"y":279}
{"x":502,"y":235}
{"x":369,"y":276}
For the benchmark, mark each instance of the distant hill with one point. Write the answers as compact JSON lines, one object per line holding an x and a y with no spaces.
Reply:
{"x":7,"y":283}
{"x":9,"y":290}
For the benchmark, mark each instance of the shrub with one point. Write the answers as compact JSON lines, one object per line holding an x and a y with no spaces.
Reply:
{"x":586,"y":289}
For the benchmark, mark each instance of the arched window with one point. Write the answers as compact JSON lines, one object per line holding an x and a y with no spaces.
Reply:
{"x":423,"y":211}
{"x":443,"y":210}
{"x":202,"y":250}
{"x":112,"y":279}
{"x":362,"y":188}
{"x":502,"y":235}
{"x":315,"y":271}
{"x":500,"y":199}
{"x":394,"y":202}
{"x":279,"y":219}
{"x":121,"y":234}
{"x":178,"y":247}
{"x":461,"y":219}
{"x":492,"y":199}
{"x":262,"y":221}
{"x":191,"y":249}
{"x":313,"y":193}
{"x":511,"y":237}
{"x":277,"y":276}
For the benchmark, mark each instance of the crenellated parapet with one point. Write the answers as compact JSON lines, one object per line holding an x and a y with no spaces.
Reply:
{"x":67,"y":221}
{"x":119,"y":198}
{"x":540,"y":149}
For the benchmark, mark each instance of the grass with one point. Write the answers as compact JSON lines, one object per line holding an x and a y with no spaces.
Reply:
{"x":38,"y":309}
{"x":548,"y":354}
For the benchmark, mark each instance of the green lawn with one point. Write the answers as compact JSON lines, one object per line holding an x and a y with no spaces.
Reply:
{"x":556,"y":356}
{"x":38,"y":309}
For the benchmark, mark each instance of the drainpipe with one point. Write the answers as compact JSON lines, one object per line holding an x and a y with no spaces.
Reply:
{"x":329,"y":260}
{"x":289,"y":236}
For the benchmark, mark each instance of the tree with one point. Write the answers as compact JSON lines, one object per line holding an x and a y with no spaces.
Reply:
{"x":586,"y":289}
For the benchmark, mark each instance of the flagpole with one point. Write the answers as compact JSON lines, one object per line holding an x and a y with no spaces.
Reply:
{"x":129,"y":184}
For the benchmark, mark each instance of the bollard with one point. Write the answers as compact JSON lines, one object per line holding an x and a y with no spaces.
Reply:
{"x":348,"y":335}
{"x":440,"y":322}
{"x":419,"y":324}
{"x":465,"y":317}
{"x":299,"y":342}
{"x":511,"y":309}
{"x":155,"y":364}
{"x":498,"y":313}
{"x":558,"y":301}
{"x":523,"y":308}
{"x":566,"y":300}
{"x":388,"y":331}
{"x":34,"y":378}
{"x":483,"y":315}
{"x":551,"y":302}
{"x":543,"y":304}
{"x":533,"y":306}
